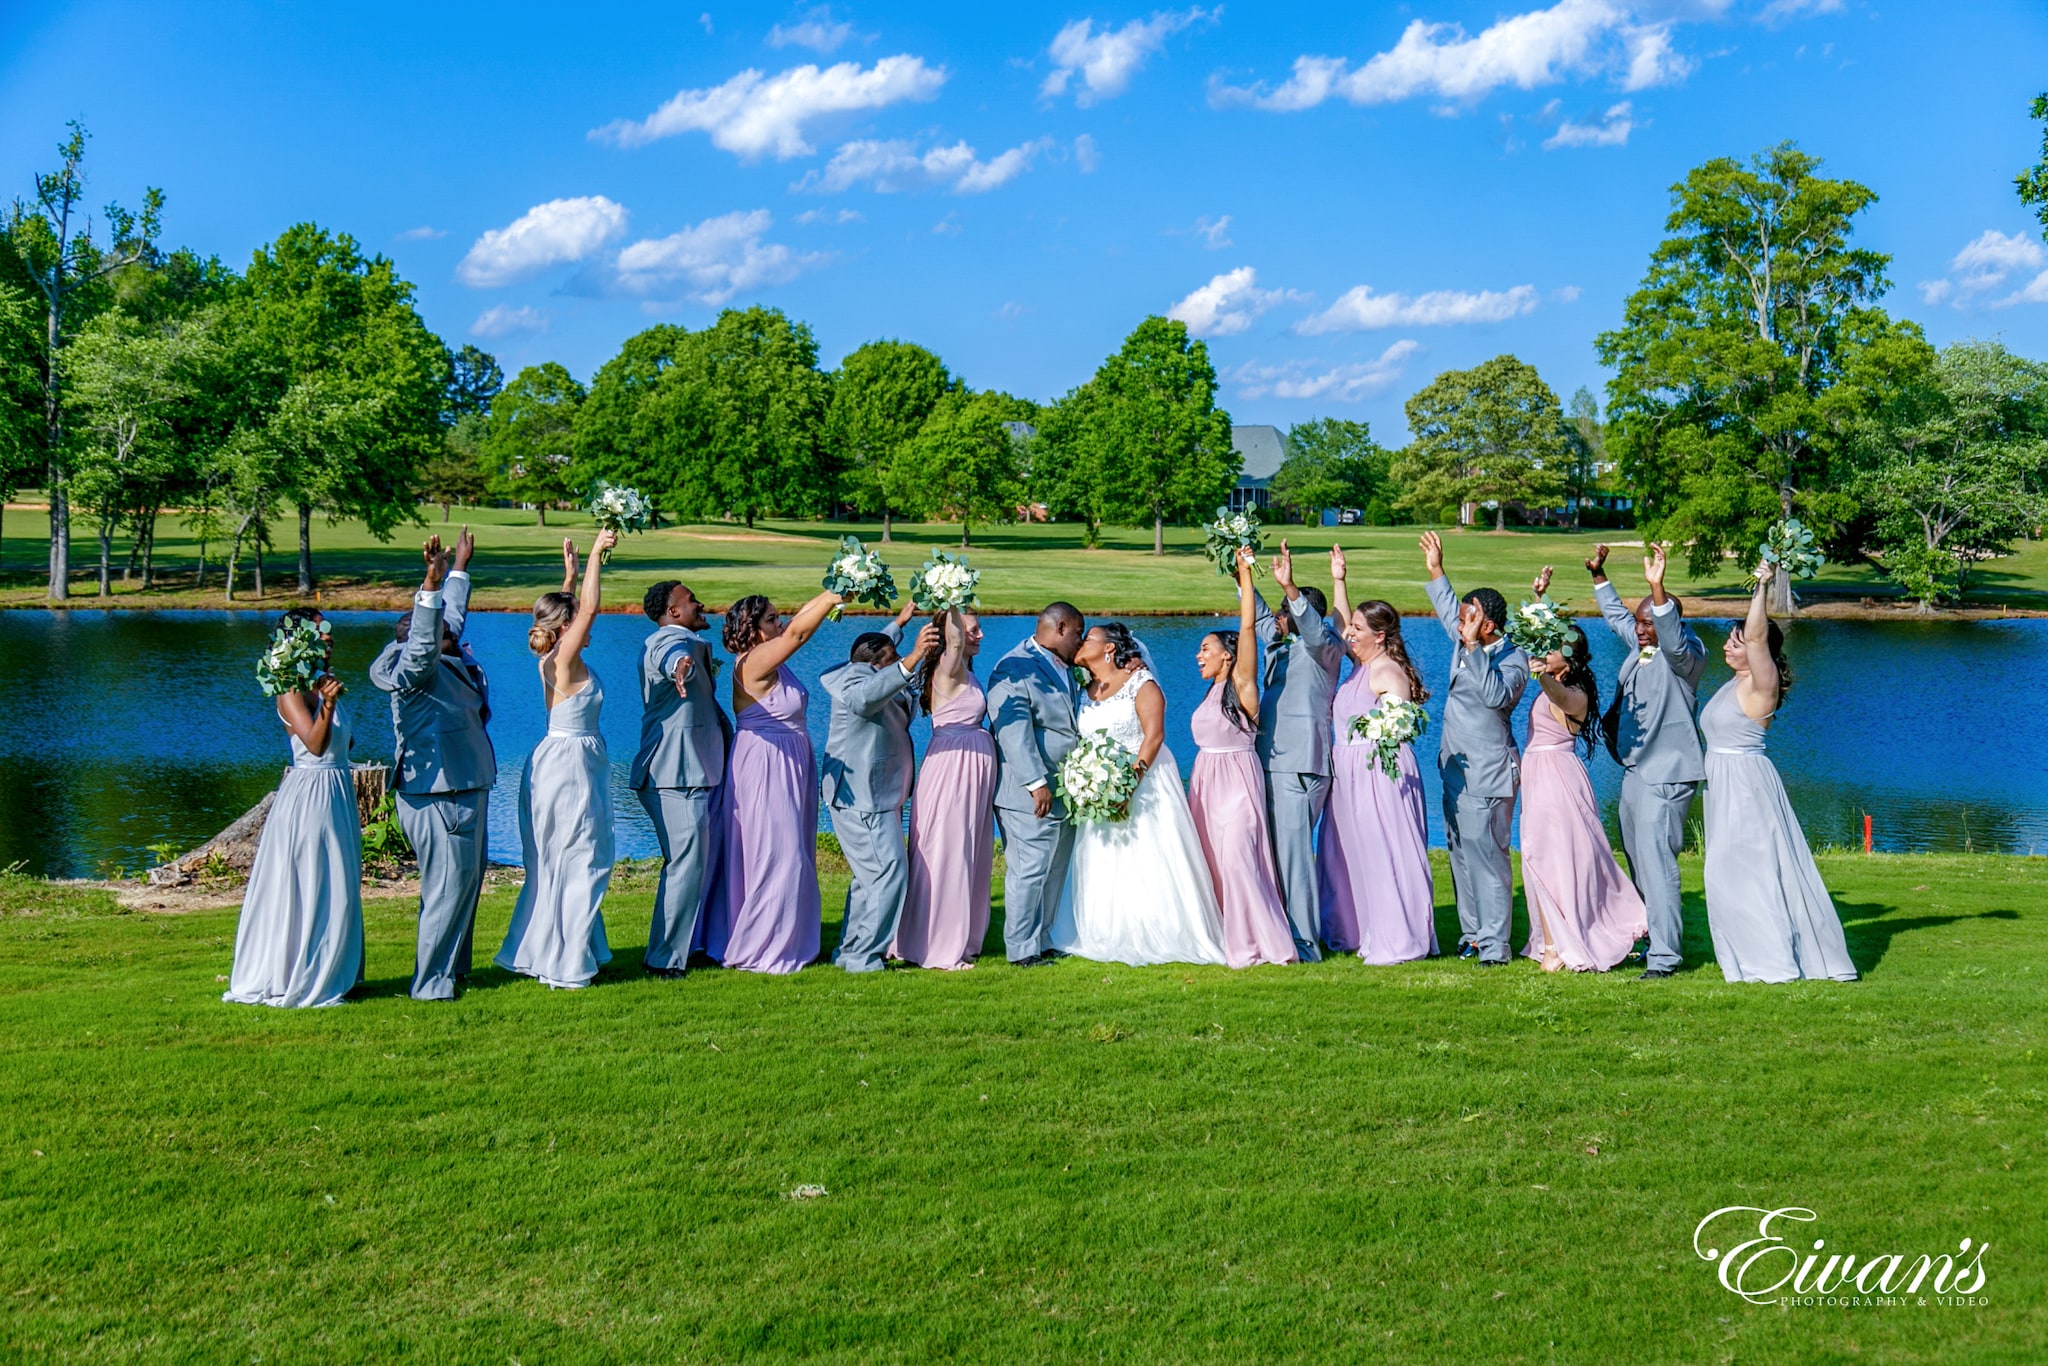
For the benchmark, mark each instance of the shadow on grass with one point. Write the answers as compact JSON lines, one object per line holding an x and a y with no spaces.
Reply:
{"x":1870,"y":932}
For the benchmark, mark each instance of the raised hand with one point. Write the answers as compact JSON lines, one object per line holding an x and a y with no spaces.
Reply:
{"x":1283,"y":568}
{"x":330,"y":690}
{"x":1337,"y":565}
{"x":1653,"y":568}
{"x":600,"y":547}
{"x":1432,"y":553}
{"x":1541,"y":584}
{"x":437,"y":562}
{"x":1247,"y":560}
{"x":905,"y":613}
{"x":1471,"y":624}
{"x":1554,"y":664}
{"x":465,"y":546}
{"x":1597,"y":566}
{"x":930,"y":640}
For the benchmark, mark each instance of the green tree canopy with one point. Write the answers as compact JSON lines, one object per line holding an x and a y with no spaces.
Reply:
{"x":2033,"y":182}
{"x":530,"y":437}
{"x":1069,"y":465}
{"x":474,"y":379}
{"x":965,"y":462}
{"x":1165,"y":445}
{"x":882,"y":395}
{"x":1487,"y":436}
{"x":1331,"y":462}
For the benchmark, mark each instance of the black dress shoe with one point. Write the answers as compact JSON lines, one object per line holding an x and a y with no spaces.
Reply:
{"x":1053,"y":955}
{"x":1036,"y":960}
{"x":1493,"y":962}
{"x":1649,"y":973}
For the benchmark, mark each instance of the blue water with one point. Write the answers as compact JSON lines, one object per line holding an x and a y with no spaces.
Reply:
{"x":119,"y":730}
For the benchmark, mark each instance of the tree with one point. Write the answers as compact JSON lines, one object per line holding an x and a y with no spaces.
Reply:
{"x":461,"y":473}
{"x":530,"y":436}
{"x":621,"y":434}
{"x":474,"y":379}
{"x":965,"y":462}
{"x":1487,"y":436}
{"x":2032,"y":183}
{"x":1168,"y":448}
{"x":1586,"y":450}
{"x":882,"y":396}
{"x":69,"y":270}
{"x":1331,"y":463}
{"x":1070,"y":462}
{"x":1724,"y":413}
{"x":21,"y":435}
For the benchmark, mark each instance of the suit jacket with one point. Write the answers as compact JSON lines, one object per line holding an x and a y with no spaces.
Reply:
{"x":1655,"y":736}
{"x":1477,"y":753}
{"x":438,"y":704}
{"x":1033,"y":712}
{"x":1299,"y":685}
{"x":869,"y":763}
{"x":684,"y":737}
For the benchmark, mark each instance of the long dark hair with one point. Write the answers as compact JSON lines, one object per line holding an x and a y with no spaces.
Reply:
{"x":1381,"y":617}
{"x":1578,"y":673}
{"x":931,"y":666}
{"x":1123,"y":646}
{"x":742,"y":628}
{"x":1774,"y":641}
{"x":1233,"y":710}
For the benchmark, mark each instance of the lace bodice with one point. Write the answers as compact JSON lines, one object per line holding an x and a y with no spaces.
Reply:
{"x":1117,"y":714}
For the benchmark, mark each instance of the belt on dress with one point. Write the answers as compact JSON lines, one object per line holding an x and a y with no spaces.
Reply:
{"x":1565,"y":748}
{"x":1716,"y":749}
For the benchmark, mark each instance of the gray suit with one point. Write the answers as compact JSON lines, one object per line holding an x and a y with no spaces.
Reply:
{"x":1481,"y":770}
{"x":1300,"y":682}
{"x":445,"y":769}
{"x":684,"y":738}
{"x":1659,"y":748}
{"x":1033,"y":708}
{"x":866,"y":775}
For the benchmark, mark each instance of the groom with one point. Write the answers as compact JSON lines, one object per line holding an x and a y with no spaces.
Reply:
{"x":1034,"y":706}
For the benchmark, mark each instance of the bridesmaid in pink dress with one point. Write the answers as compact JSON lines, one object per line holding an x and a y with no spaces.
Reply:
{"x":1227,"y":791}
{"x":764,"y":913}
{"x":1584,"y":913}
{"x":1378,"y":893}
{"x":952,"y":819}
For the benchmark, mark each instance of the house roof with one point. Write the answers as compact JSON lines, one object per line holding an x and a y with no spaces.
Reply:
{"x":1261,"y":449}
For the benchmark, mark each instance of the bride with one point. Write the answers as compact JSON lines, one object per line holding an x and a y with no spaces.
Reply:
{"x":1138,"y":891}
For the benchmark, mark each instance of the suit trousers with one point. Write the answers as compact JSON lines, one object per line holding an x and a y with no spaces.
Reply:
{"x":685,"y":825}
{"x":873,"y":844}
{"x":1294,"y":806}
{"x":1476,"y":828}
{"x":450,"y":834}
{"x":1652,"y":819}
{"x":1035,"y":856}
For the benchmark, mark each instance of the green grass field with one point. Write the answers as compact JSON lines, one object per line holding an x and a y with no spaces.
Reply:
{"x":1026,"y":566}
{"x":1334,"y":1163}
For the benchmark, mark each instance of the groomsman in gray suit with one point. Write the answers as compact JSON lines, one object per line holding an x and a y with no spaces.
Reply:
{"x":1652,"y":735}
{"x":440,"y":702}
{"x":684,"y":739}
{"x":867,"y":774}
{"x":1303,"y":656}
{"x":1477,"y":757}
{"x":1034,"y":705}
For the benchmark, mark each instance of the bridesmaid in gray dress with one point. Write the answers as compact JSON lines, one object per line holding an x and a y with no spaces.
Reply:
{"x":565,"y":799}
{"x":1771,"y":918}
{"x":300,"y":939}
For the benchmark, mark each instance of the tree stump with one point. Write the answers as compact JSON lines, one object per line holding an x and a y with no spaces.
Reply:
{"x":236,"y":845}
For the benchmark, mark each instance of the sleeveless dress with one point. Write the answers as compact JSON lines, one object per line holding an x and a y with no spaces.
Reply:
{"x":1227,"y":800}
{"x":1378,"y":892}
{"x":300,"y":939}
{"x":1771,"y":918}
{"x":1138,"y":891}
{"x":952,"y":838}
{"x":565,"y":832}
{"x":765,"y":915}
{"x":1581,"y":905}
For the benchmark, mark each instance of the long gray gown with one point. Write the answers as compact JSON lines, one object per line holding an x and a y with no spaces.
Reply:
{"x":565,"y":831}
{"x":300,"y":938}
{"x":1771,"y":918}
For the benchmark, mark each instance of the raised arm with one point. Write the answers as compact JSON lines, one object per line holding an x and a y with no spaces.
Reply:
{"x":569,"y":670}
{"x":1244,"y":674}
{"x":1759,"y":693}
{"x":455,"y":600}
{"x":568,"y":565}
{"x":1613,"y":610}
{"x":310,"y":716}
{"x":869,"y":694}
{"x":757,"y":669}
{"x":1443,"y":599}
{"x":421,"y":652}
{"x":1569,"y":703}
{"x":1340,"y":591}
{"x":1682,"y":648}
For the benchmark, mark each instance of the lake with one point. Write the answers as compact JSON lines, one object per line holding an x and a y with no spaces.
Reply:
{"x":119,"y":730}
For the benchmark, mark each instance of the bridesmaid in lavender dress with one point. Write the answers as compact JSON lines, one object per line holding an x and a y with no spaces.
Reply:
{"x":1227,"y":791}
{"x":765,"y":914}
{"x":1378,"y":893}
{"x":952,"y":818}
{"x":1584,"y":913}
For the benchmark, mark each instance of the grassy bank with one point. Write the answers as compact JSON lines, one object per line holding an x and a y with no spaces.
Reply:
{"x":1026,"y":566}
{"x":1333,"y":1163}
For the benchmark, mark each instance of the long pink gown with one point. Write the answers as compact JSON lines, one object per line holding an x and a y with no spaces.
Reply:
{"x":1378,"y":894}
{"x":1580,"y":902}
{"x":765,"y":914}
{"x":1227,"y":798}
{"x":952,"y":838}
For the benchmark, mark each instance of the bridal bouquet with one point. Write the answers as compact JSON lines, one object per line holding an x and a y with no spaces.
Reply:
{"x":1538,"y":627}
{"x":1097,"y":779}
{"x":1393,"y":724}
{"x":617,"y":508}
{"x":858,"y":574}
{"x":296,"y":659}
{"x":1229,"y":532}
{"x":1789,"y":546}
{"x":944,"y":583}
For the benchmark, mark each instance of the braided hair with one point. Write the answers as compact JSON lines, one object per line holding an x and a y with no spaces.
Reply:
{"x":1233,"y":710}
{"x":1578,"y":673}
{"x":743,"y":620}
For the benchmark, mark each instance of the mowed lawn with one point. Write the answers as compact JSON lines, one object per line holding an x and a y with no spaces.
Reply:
{"x":1083,"y":1162}
{"x":1025,"y":566}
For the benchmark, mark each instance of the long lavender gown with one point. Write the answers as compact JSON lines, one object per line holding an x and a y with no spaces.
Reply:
{"x":1771,"y":916}
{"x":1227,"y":797}
{"x":765,"y":914}
{"x":952,"y":838}
{"x":1580,"y":902}
{"x":1378,"y":894}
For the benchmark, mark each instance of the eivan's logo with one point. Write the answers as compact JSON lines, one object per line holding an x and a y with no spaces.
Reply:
{"x":1766,"y":1269}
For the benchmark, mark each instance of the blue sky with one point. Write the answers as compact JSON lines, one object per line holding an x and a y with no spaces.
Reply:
{"x":1345,"y":200}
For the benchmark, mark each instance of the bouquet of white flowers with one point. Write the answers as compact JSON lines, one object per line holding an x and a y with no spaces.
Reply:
{"x":1538,"y":627}
{"x":618,"y":508}
{"x":859,"y":575}
{"x":944,"y":583}
{"x":1097,"y":779}
{"x":1229,"y":532}
{"x":1790,"y":546}
{"x":296,"y":659}
{"x":1392,"y":724}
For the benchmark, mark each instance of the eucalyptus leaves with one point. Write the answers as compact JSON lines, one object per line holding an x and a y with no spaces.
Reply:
{"x":1097,"y":779}
{"x":945,"y":583}
{"x":1538,"y":627}
{"x":1230,"y":532}
{"x":858,"y":575}
{"x":296,"y":659}
{"x":1788,"y":546}
{"x":1386,"y":728}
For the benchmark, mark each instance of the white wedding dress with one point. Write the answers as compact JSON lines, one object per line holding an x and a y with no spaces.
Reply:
{"x":1138,"y":891}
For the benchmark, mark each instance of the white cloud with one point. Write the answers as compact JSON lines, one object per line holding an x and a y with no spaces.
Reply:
{"x":1214,"y":232}
{"x":1784,"y":11}
{"x":1010,"y":311}
{"x":819,"y":32}
{"x":505,"y":321}
{"x":1303,"y":379}
{"x":713,"y":261}
{"x":550,"y":234}
{"x":1227,"y":304}
{"x":753,"y":115}
{"x":1567,"y":294}
{"x":1106,"y":61}
{"x":424,"y":233}
{"x":1986,"y":264}
{"x":1359,"y":309}
{"x":949,"y":226}
{"x":830,"y":218}
{"x":1612,"y":130}
{"x":894,"y":165}
{"x":1085,"y":154}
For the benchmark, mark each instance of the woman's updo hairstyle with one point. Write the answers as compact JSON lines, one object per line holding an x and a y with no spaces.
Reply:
{"x":551,"y":615}
{"x":1123,"y":646}
{"x":742,"y":629}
